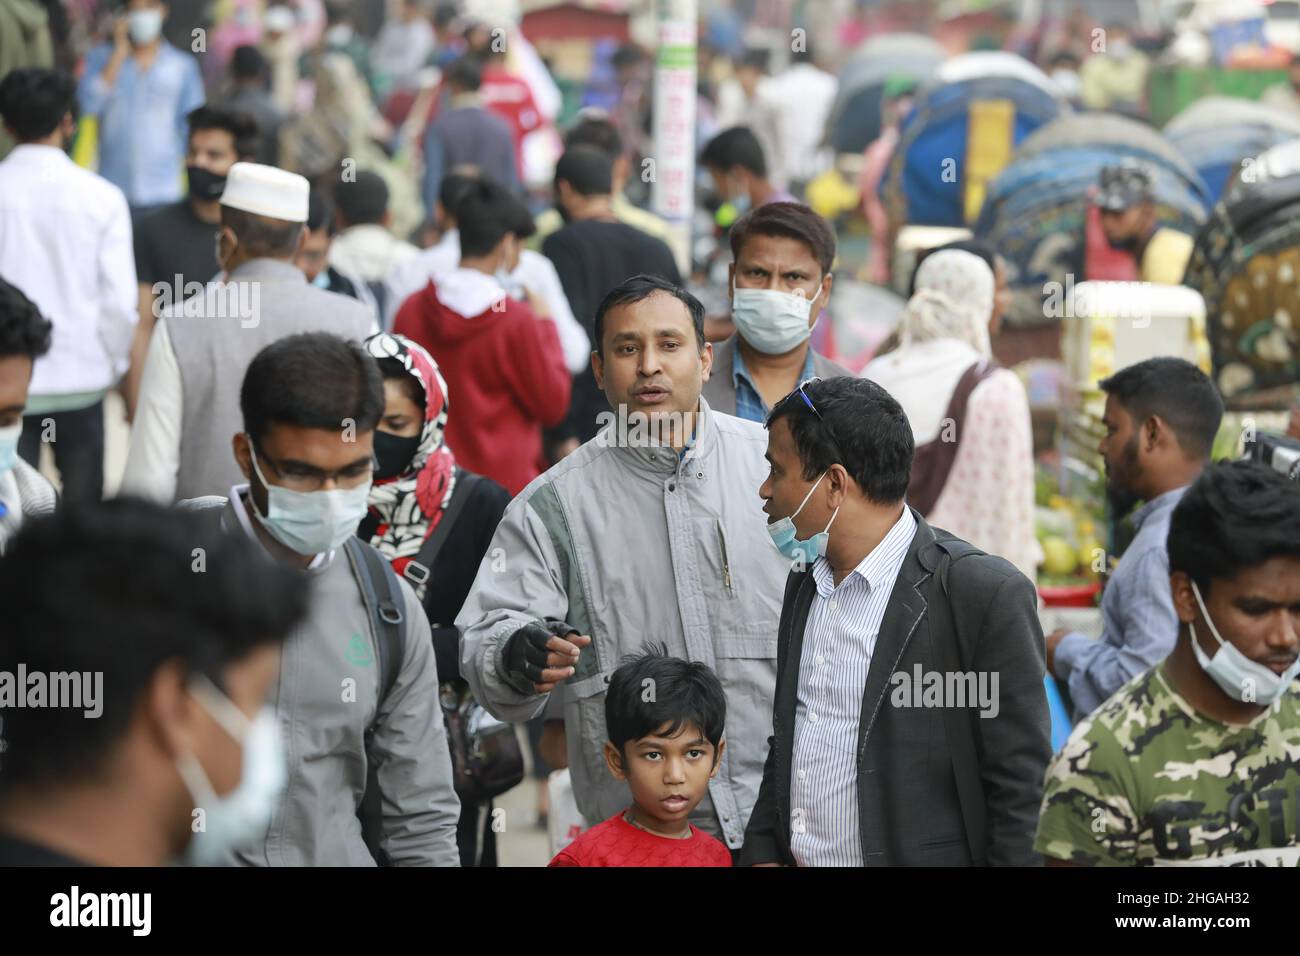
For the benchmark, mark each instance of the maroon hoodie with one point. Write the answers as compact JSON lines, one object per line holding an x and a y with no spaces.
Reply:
{"x":506,"y":379}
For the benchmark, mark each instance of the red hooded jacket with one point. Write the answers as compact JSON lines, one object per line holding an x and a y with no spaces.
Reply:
{"x":506,"y":379}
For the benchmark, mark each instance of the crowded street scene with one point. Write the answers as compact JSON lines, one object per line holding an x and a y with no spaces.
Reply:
{"x":650,"y":433}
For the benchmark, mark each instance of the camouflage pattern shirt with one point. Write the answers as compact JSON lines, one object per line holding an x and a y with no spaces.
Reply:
{"x":1147,"y":780}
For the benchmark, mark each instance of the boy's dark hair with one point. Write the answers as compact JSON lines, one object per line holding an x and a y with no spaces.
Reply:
{"x":33,"y":101}
{"x":976,"y":247}
{"x":587,"y":169}
{"x":243,"y":127}
{"x":126,"y":626}
{"x":248,"y":63}
{"x":23,"y":330}
{"x":652,"y":689}
{"x":1237,"y":514}
{"x":1177,"y":391}
{"x":364,"y":200}
{"x":311,"y":380}
{"x":597,"y":131}
{"x":791,"y":219}
{"x":484,"y":213}
{"x":262,"y":235}
{"x":453,"y":187}
{"x":466,"y":73}
{"x":856,"y":424}
{"x":320,"y":212}
{"x":642,"y":287}
{"x":734,"y":147}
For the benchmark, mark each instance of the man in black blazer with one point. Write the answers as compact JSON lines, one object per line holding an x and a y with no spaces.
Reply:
{"x":910,"y":724}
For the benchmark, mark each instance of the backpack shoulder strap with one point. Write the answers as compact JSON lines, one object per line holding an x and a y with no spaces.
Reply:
{"x":420,"y":567}
{"x":382,"y":596}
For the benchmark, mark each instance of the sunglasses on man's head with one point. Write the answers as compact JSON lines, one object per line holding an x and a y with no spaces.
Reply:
{"x":804,"y":394}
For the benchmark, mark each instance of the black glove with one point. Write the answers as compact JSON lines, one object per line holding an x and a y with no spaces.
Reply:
{"x":524,"y":655}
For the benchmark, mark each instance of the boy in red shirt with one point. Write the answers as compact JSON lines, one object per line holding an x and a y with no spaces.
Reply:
{"x":665,"y":718}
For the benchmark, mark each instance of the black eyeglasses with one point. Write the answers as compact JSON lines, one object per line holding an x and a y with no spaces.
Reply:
{"x":804,"y":395}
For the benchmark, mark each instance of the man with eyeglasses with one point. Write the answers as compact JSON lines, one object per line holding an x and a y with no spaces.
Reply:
{"x":310,"y":405}
{"x":188,"y":404}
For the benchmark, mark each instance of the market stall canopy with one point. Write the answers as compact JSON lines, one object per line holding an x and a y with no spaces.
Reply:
{"x":855,"y":118}
{"x":968,"y":119}
{"x":1247,"y":266}
{"x":1216,"y":133}
{"x":1034,"y":213}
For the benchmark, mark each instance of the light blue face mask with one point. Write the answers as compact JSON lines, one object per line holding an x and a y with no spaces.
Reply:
{"x":785,"y":536}
{"x":771,"y":321}
{"x":9,"y":446}
{"x":309,"y":522}
{"x":1236,"y":674}
{"x":322,"y":280}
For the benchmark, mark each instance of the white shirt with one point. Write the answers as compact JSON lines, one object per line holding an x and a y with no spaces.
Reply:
{"x":534,"y":272}
{"x":804,"y":96}
{"x":65,"y":241}
{"x":839,"y":639}
{"x":369,"y":252}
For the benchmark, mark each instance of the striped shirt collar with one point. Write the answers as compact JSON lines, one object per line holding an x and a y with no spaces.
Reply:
{"x":880,"y":564}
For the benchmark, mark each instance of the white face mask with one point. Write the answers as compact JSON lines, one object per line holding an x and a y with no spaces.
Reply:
{"x":241,"y":816}
{"x":309,"y":522}
{"x":144,"y":25}
{"x":1236,"y":674}
{"x":770,"y":321}
{"x":9,"y":446}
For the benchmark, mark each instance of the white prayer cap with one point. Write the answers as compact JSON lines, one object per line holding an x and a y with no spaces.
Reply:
{"x":266,"y":191}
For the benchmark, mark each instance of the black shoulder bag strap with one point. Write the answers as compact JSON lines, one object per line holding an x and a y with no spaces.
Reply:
{"x":382,"y":597}
{"x":952,"y":656}
{"x":419,"y":568}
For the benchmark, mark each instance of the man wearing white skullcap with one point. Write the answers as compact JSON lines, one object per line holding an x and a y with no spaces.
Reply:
{"x":189,"y":392}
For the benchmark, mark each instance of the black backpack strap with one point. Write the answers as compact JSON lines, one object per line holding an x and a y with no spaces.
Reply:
{"x":952,"y":655}
{"x":419,"y":568}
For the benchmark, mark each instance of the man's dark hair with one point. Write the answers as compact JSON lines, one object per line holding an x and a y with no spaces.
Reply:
{"x":320,"y":212}
{"x":652,"y":689}
{"x":311,"y":380}
{"x":756,"y":58}
{"x":484,"y":213}
{"x":804,"y":54}
{"x":33,"y":101}
{"x":126,"y":626}
{"x":466,"y":73}
{"x":262,"y":236}
{"x":589,"y":170}
{"x":734,"y":147}
{"x":1237,"y":514}
{"x":248,"y":63}
{"x":642,"y":287}
{"x":453,"y":187}
{"x":856,"y":424}
{"x":23,"y":330}
{"x":791,"y":219}
{"x":597,"y":131}
{"x":363,"y":201}
{"x":976,"y":247}
{"x":243,"y":127}
{"x":445,"y":14}
{"x":1178,"y":392}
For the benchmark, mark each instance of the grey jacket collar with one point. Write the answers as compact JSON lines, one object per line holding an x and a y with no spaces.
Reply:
{"x":720,"y":389}
{"x":274,"y":269}
{"x":660,"y":459}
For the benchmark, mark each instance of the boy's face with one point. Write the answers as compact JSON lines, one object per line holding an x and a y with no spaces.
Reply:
{"x":668,"y":776}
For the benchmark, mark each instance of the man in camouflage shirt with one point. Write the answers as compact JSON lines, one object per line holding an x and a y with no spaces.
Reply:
{"x":1197,"y":760}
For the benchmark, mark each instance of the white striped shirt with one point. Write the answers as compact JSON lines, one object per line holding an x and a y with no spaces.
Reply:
{"x":839,"y":639}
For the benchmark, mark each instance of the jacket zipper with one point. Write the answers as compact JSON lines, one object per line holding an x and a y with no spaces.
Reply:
{"x":726,"y":564}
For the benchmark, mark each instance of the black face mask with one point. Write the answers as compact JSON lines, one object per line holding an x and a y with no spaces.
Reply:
{"x":205,"y":184}
{"x":394,"y":453}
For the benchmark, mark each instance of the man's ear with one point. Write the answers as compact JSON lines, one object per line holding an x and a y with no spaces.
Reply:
{"x":614,"y":761}
{"x":243,"y":454}
{"x":717,"y":757}
{"x":1155,"y":432}
{"x":1184,"y":600}
{"x":598,"y":370}
{"x":171,"y":711}
{"x":706,"y":360}
{"x":840,"y":485}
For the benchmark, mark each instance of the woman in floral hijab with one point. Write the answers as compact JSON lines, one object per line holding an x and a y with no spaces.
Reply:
{"x":415,"y":481}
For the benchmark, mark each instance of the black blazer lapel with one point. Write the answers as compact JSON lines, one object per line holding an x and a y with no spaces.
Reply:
{"x":787,"y":698}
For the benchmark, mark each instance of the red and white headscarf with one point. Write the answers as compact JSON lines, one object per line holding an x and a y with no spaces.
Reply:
{"x":410,"y":505}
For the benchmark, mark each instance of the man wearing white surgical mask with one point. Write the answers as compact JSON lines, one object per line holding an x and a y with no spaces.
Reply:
{"x":1193,"y":762}
{"x":169,"y":752}
{"x":310,"y":404}
{"x":780,"y":282}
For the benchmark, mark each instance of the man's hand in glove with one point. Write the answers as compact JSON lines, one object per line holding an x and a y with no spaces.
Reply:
{"x":542,"y":654}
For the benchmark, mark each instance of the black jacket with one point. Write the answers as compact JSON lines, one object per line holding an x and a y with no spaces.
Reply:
{"x":908,"y":804}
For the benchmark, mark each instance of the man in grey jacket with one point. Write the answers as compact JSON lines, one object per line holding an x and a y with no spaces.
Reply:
{"x":308,"y":482}
{"x":650,"y":531}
